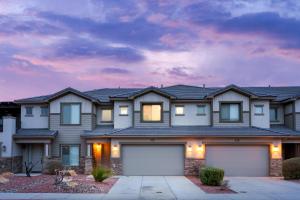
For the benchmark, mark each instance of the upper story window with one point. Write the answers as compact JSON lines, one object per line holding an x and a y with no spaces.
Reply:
{"x":123,"y":110}
{"x":152,"y":112}
{"x":273,"y":114}
{"x":258,"y":109}
{"x":44,"y":111}
{"x":106,"y":115}
{"x":1,"y":124}
{"x":230,"y":112}
{"x":70,"y":113}
{"x":70,"y":155}
{"x":29,"y":111}
{"x":179,"y":110}
{"x":201,"y":109}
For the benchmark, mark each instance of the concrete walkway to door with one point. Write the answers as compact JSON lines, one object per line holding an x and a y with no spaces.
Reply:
{"x":154,"y":187}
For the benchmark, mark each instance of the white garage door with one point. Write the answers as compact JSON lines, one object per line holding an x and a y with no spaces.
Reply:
{"x":239,"y":160}
{"x":153,"y":160}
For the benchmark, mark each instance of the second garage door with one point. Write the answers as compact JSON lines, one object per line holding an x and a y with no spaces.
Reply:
{"x":239,"y":160}
{"x":153,"y":160}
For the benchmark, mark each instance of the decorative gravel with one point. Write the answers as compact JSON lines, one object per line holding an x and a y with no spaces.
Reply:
{"x":210,"y":189}
{"x":45,"y":184}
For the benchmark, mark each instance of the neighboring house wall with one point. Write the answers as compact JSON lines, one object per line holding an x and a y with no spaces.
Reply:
{"x":122,"y":121}
{"x":70,"y":134}
{"x":289,"y":116}
{"x":190,"y":117}
{"x":297,"y":115}
{"x":35,"y":120}
{"x":153,"y":98}
{"x":231,"y":96}
{"x":263,"y":120}
{"x":280,"y":113}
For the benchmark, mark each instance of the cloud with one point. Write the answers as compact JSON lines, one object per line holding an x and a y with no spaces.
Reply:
{"x":115,"y":70}
{"x":83,"y":48}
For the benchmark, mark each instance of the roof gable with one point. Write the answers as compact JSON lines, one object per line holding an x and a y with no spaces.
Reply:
{"x":232,"y":88}
{"x":148,"y":90}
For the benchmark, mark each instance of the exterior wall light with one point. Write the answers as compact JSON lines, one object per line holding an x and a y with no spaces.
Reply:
{"x":115,"y":150}
{"x":276,"y":151}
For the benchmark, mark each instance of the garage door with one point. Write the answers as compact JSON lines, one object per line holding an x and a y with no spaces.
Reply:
{"x":239,"y":160}
{"x":153,"y":159}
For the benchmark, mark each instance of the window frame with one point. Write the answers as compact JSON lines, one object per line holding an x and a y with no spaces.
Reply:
{"x":201,"y":114}
{"x":123,"y":106}
{"x":151,"y":103}
{"x":276,"y":114}
{"x":26,"y":114}
{"x":61,"y":113}
{"x":69,"y":145}
{"x":43,"y":115}
{"x":262,"y":106}
{"x":102,"y":121}
{"x":1,"y":125}
{"x":176,"y":114}
{"x":240,"y":120}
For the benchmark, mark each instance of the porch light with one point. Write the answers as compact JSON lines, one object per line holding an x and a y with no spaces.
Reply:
{"x":115,"y":151}
{"x":190,"y":149}
{"x":275,"y":151}
{"x":200,"y":148}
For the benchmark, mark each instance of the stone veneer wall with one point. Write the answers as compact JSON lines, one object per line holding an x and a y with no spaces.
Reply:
{"x":275,"y":167}
{"x":13,"y":164}
{"x":79,"y":169}
{"x":192,"y":166}
{"x":116,"y":166}
{"x":88,"y":165}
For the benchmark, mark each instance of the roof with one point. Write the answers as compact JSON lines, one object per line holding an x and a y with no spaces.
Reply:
{"x":285,"y":130}
{"x":35,"y":133}
{"x":185,"y":131}
{"x":180,"y":92}
{"x":100,"y":131}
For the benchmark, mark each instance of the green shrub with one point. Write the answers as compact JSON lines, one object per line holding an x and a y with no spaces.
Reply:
{"x":101,"y":173}
{"x":53,"y":165}
{"x":211,"y":176}
{"x":291,"y":168}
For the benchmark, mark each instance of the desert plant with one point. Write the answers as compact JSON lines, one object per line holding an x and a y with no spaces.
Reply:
{"x":291,"y":168}
{"x":52,"y":166}
{"x":29,"y":167}
{"x":101,"y":173}
{"x":211,"y":176}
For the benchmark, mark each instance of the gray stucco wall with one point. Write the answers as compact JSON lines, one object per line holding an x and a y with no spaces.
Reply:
{"x":165,"y":123}
{"x":69,"y":134}
{"x":216,"y":120}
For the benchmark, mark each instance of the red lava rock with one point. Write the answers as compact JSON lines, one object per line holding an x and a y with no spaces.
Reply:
{"x":210,"y":189}
{"x":45,"y":184}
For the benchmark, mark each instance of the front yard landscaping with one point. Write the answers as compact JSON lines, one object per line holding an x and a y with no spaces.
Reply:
{"x":45,"y":184}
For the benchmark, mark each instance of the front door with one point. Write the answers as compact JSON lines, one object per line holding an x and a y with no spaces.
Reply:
{"x":35,"y":155}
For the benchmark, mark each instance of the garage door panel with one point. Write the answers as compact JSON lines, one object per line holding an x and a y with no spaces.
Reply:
{"x":153,"y":159}
{"x":239,"y":160}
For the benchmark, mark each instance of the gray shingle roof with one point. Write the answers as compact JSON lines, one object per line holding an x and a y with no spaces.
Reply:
{"x":184,"y":92}
{"x":31,"y":133}
{"x":283,"y":129}
{"x":181,"y":131}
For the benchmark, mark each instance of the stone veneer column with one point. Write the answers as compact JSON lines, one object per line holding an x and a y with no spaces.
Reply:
{"x":275,"y":167}
{"x":88,"y":165}
{"x":116,"y":166}
{"x":192,"y":166}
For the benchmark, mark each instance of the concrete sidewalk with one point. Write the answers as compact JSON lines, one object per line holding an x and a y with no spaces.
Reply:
{"x":49,"y":196}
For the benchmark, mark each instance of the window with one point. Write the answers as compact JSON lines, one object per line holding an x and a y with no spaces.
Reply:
{"x":28,"y":111}
{"x":230,"y":112}
{"x":106,"y":115}
{"x":273,"y":114}
{"x":201,"y":110}
{"x":70,"y":155}
{"x":1,"y":124}
{"x":70,"y":113}
{"x":44,"y":110}
{"x":179,"y":110}
{"x":151,"y":112}
{"x":123,"y":110}
{"x":258,"y":109}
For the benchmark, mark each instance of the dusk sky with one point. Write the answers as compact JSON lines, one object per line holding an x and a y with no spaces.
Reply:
{"x":48,"y":45}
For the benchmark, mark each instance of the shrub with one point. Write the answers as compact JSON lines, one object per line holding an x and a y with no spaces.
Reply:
{"x":211,"y":176}
{"x":53,"y":165}
{"x":291,"y":168}
{"x":101,"y":173}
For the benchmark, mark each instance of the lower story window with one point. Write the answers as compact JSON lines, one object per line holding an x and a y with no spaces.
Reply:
{"x":70,"y":155}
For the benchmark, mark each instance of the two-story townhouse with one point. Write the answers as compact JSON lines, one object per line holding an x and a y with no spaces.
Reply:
{"x":163,"y":131}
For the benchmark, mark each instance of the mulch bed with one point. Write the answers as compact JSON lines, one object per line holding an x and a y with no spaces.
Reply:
{"x":45,"y":184}
{"x":210,"y":189}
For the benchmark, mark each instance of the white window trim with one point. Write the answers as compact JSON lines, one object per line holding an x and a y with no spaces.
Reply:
{"x":179,"y":114}
{"x":256,"y":106}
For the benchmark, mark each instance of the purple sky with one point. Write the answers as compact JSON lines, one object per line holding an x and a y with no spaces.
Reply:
{"x":47,"y":45}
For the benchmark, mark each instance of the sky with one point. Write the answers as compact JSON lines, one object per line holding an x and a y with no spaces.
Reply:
{"x":48,"y":45}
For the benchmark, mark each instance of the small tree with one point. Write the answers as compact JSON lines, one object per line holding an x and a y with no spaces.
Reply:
{"x":29,"y":167}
